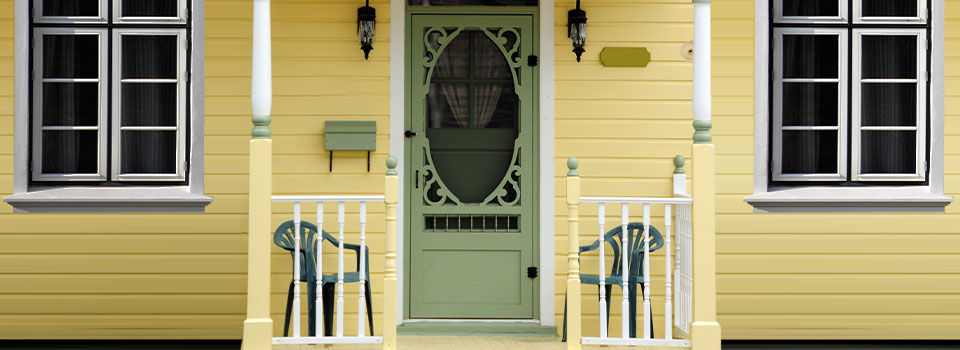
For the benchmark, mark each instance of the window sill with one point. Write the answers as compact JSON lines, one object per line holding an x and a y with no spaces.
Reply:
{"x":872,"y":199}
{"x":173,"y":199}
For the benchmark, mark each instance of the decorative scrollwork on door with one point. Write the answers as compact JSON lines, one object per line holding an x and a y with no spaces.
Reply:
{"x":507,"y":192}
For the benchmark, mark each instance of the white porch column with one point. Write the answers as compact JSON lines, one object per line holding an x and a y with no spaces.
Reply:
{"x":704,"y":330}
{"x":258,"y":327}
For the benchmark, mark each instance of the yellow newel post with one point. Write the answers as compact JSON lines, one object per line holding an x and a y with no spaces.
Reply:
{"x":390,"y":269}
{"x":573,"y":255}
{"x":258,"y":327}
{"x":704,"y":330}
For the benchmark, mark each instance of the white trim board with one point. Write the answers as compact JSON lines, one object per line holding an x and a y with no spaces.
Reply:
{"x":397,"y":100}
{"x":763,"y":194}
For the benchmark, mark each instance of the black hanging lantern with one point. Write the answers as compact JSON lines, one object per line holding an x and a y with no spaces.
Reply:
{"x":577,"y":29}
{"x":366,"y":28}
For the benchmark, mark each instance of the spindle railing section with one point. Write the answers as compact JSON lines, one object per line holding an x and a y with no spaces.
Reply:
{"x":339,"y":337}
{"x":676,"y":253}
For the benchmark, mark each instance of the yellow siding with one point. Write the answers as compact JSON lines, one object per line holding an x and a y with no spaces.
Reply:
{"x":182,"y":275}
{"x":816,"y":276}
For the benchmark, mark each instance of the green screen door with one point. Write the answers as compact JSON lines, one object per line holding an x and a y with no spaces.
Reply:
{"x":472,"y":178}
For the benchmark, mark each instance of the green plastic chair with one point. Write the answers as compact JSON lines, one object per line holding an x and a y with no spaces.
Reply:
{"x":634,"y":274}
{"x":283,"y":237}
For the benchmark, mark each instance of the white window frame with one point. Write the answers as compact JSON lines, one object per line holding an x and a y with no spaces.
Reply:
{"x":37,"y":124}
{"x":840,"y":18}
{"x":860,"y":19}
{"x":181,"y":81}
{"x":921,"y":109}
{"x":38,"y":16}
{"x":777,"y":87}
{"x":118,"y":16}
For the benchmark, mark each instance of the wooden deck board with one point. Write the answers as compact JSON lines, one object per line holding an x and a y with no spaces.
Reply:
{"x":420,"y":342}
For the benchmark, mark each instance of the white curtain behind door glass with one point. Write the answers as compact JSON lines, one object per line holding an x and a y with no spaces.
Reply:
{"x":489,"y":63}
{"x":454,"y":62}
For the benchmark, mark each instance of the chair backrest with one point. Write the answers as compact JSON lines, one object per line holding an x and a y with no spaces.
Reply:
{"x":283,"y":238}
{"x":635,"y":244}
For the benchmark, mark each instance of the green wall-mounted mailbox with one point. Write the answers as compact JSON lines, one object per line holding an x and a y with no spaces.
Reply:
{"x":350,"y":136}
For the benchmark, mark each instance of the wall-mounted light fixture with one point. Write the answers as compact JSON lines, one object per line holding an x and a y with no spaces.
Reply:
{"x":366,"y":28}
{"x":577,"y":29}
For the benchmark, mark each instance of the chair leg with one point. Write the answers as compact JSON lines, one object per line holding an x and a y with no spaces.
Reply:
{"x":564,"y":338}
{"x":312,"y":308}
{"x":328,"y":290}
{"x":609,"y":291}
{"x":370,"y":307}
{"x":633,"y":309}
{"x":286,"y":318}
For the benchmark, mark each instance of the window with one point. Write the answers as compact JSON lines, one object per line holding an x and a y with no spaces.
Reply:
{"x":110,"y":91}
{"x":849,"y":91}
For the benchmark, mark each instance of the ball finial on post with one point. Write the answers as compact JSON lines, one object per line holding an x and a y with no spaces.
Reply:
{"x":678,"y":162}
{"x":392,"y":165}
{"x":572,"y":164}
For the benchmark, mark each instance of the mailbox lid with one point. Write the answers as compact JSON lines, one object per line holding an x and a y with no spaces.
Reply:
{"x":350,"y":136}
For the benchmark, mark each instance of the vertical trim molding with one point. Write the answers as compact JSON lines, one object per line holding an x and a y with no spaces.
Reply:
{"x":397,"y":110}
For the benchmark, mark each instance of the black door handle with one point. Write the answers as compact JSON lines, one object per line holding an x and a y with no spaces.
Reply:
{"x":409,"y":133}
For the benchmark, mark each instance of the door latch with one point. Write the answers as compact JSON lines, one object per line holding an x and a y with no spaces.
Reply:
{"x":532,"y":272}
{"x":409,"y":134}
{"x":532,"y":60}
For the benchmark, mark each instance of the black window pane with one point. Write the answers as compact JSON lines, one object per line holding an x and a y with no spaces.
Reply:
{"x":888,"y":152}
{"x":65,"y":8}
{"x":69,"y":152}
{"x":71,"y":56}
{"x":472,"y":2}
{"x":148,"y":152}
{"x":149,"y":104}
{"x":888,"y":8}
{"x":809,"y":8}
{"x":810,"y":104}
{"x":149,"y":8}
{"x":889,"y":57}
{"x":70,"y":104}
{"x":810,"y":56}
{"x":809,"y":152}
{"x":889,"y":104}
{"x":149,"y":57}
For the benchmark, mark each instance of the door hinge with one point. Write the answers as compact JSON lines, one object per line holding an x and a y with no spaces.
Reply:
{"x":532,"y":272}
{"x":532,"y":60}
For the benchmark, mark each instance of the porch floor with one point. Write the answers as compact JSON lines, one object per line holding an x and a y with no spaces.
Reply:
{"x":444,"y":342}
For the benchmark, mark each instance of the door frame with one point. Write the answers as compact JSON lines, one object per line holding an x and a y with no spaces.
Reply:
{"x":544,"y":309}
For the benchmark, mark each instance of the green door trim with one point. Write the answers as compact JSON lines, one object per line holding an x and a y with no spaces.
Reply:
{"x":533,"y":171}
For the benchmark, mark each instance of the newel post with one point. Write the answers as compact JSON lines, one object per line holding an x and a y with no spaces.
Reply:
{"x":704,"y":330}
{"x":573,"y":255}
{"x":390,"y":269}
{"x":258,"y":327}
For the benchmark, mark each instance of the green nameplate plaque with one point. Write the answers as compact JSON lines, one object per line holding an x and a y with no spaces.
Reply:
{"x":624,"y":57}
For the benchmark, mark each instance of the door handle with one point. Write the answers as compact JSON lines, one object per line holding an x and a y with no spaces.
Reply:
{"x":416,"y":179}
{"x":409,"y":134}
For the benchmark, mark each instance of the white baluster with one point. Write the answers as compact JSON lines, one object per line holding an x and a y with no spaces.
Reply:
{"x":363,"y":264}
{"x":319,"y":286}
{"x":603,"y":299}
{"x":340,"y":217}
{"x":647,"y":319}
{"x":676,"y":268}
{"x":668,"y":300}
{"x":624,"y":269}
{"x":295,"y":314}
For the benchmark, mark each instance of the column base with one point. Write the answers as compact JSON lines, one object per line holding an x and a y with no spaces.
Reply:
{"x":705,"y":336}
{"x":257,"y":334}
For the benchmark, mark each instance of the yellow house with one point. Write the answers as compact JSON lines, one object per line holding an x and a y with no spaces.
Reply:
{"x":787,"y":166}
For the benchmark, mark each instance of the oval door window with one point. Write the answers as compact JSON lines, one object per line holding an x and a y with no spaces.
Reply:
{"x":472,"y":115}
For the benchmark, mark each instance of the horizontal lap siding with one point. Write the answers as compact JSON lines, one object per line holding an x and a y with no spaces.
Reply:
{"x":824,"y":276}
{"x":625,"y":125}
{"x":73,"y":276}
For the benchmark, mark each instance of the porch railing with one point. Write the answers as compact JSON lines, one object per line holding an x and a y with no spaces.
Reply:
{"x":675,"y":248}
{"x":341,"y":334}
